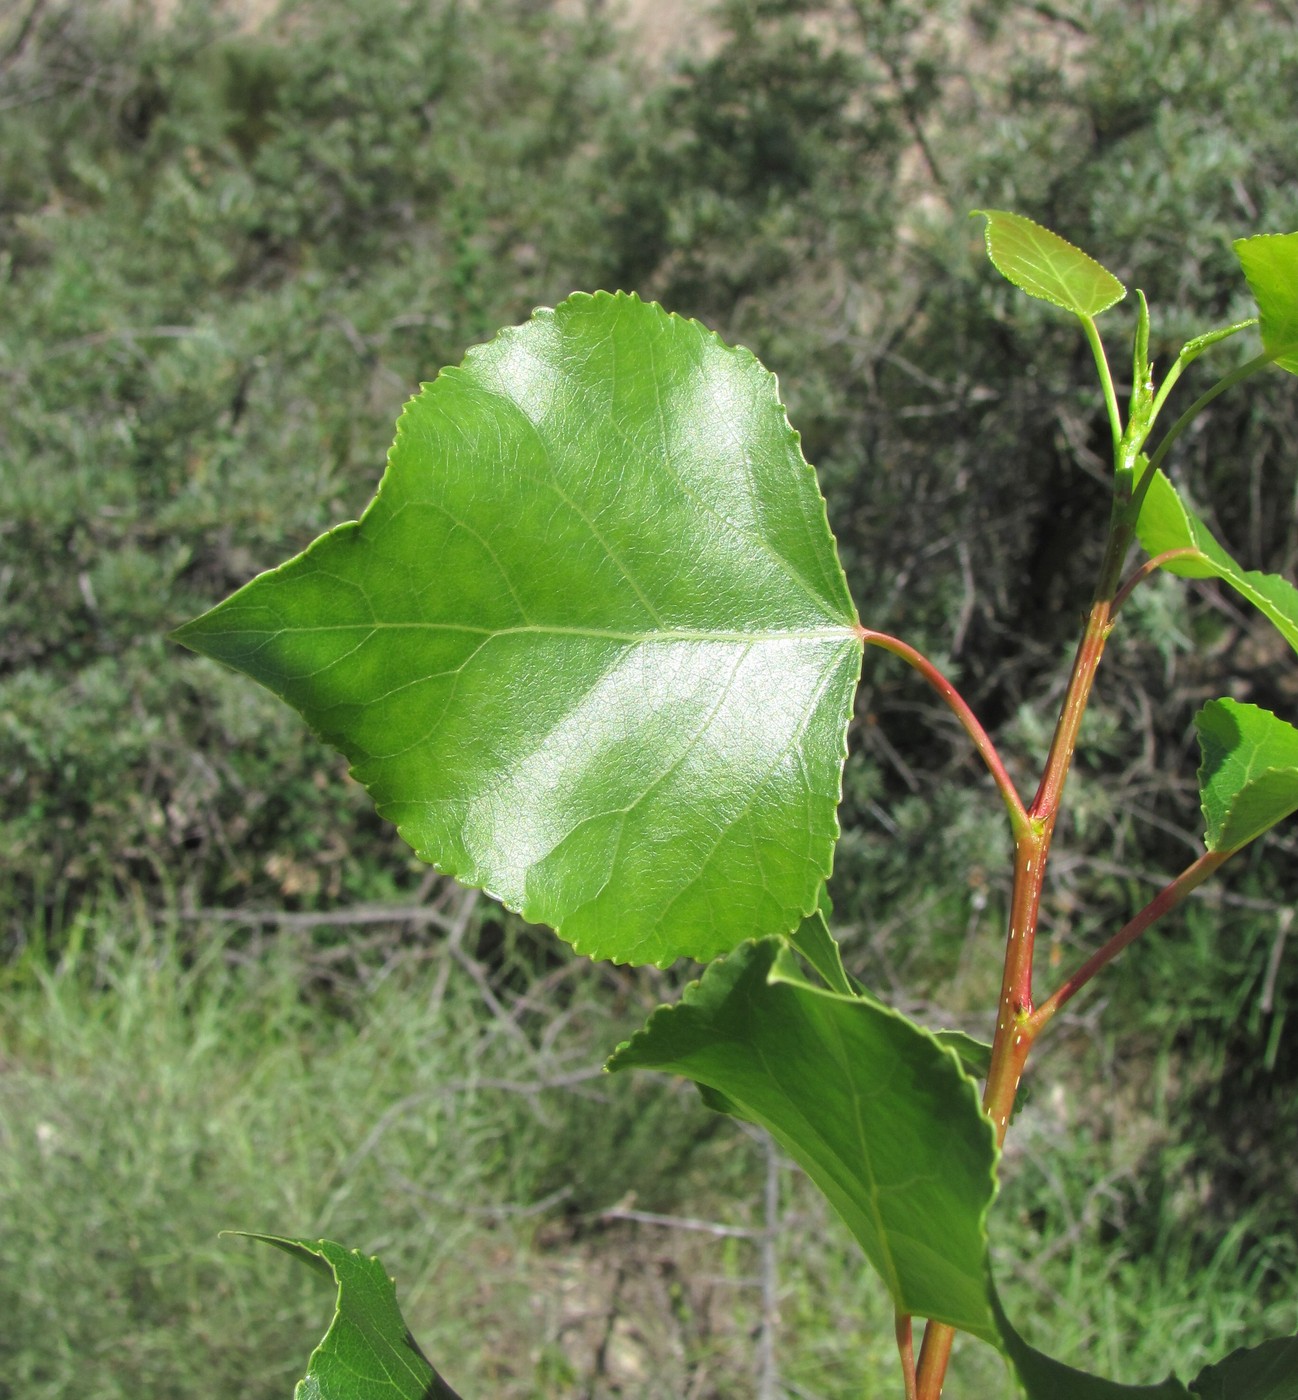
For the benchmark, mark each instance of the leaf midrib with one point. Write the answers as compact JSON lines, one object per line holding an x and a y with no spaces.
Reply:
{"x":840,"y":633}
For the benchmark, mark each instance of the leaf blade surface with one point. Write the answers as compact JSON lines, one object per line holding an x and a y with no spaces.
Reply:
{"x":1166,"y":524}
{"x":590,"y":647}
{"x":1268,"y":1371}
{"x":368,"y":1352}
{"x":1048,"y":267}
{"x":880,"y":1116}
{"x":1248,"y":779}
{"x":1270,"y":263}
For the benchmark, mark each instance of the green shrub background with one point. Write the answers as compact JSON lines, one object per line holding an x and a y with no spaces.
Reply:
{"x":229,"y":251}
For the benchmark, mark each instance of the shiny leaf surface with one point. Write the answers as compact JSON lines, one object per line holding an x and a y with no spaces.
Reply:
{"x":590,"y":647}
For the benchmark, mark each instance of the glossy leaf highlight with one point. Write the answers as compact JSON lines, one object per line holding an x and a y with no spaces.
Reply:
{"x":1248,"y":780}
{"x":879,"y":1115}
{"x":1270,"y":263}
{"x":1048,"y":267}
{"x":368,"y":1352}
{"x":590,"y":647}
{"x":1166,"y":523}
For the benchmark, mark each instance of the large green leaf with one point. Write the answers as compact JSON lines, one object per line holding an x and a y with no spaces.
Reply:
{"x":1166,"y":523}
{"x":590,"y":647}
{"x":368,"y":1352}
{"x":1248,"y":780}
{"x":880,"y":1116}
{"x":1270,"y":263}
{"x":1048,"y":267}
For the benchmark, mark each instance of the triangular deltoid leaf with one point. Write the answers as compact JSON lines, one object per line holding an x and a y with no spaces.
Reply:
{"x":1048,"y":267}
{"x":590,"y":647}
{"x":1270,"y":263}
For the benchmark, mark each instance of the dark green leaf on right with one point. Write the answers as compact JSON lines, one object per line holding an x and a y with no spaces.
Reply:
{"x":1248,"y":780}
{"x":1265,"y":1372}
{"x":1166,"y":524}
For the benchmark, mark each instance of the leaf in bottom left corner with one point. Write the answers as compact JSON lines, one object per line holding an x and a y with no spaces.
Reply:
{"x":368,"y":1352}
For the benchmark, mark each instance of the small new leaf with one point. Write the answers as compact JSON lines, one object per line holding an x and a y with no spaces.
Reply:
{"x":1248,"y":780}
{"x":368,"y":1352}
{"x":1048,"y":267}
{"x":1270,"y":263}
{"x":880,"y":1116}
{"x":1167,"y":524}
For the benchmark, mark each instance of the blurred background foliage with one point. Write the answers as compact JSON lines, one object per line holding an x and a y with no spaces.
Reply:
{"x":234,"y":239}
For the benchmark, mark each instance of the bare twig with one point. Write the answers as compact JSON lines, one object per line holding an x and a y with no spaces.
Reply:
{"x":768,"y":1371}
{"x":683,"y":1222}
{"x":25,"y":30}
{"x":413,"y":915}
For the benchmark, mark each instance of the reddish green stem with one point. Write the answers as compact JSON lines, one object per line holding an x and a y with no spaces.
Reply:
{"x":906,"y":1349}
{"x":1163,"y":903}
{"x":1159,"y":561}
{"x":968,"y":720}
{"x":934,"y":1355}
{"x":1014,"y":1030}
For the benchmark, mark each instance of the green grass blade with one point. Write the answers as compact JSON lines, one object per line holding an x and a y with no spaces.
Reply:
{"x":1166,"y":524}
{"x":1270,"y":263}
{"x":590,"y":647}
{"x":880,"y":1116}
{"x":368,"y":1352}
{"x":1248,"y":780}
{"x":1048,"y":267}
